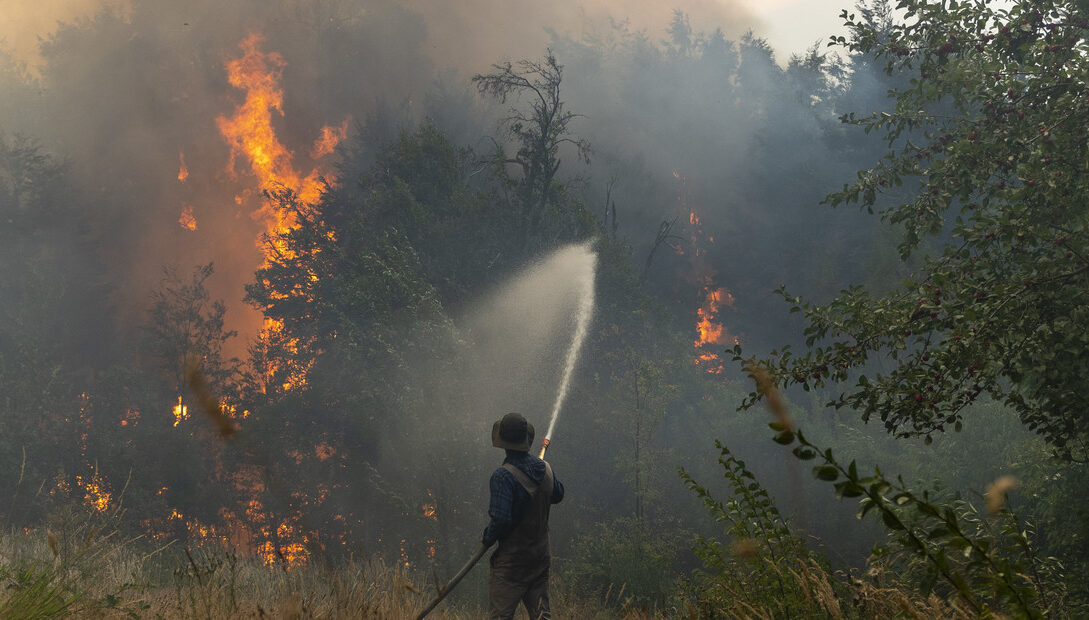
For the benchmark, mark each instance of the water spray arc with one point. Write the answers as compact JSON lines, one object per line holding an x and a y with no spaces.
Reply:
{"x":584,"y":311}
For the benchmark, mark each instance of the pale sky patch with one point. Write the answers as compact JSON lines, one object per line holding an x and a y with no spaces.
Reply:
{"x":793,"y":26}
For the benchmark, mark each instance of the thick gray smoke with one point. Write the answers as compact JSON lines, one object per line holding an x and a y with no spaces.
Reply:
{"x":690,"y":121}
{"x":129,"y":93}
{"x":126,"y":93}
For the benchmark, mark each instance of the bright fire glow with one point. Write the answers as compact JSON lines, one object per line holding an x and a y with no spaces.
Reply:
{"x":186,"y":219}
{"x":95,"y":494}
{"x":250,"y":134}
{"x":329,"y":139}
{"x":132,"y":417}
{"x":183,"y":170}
{"x":256,"y":149}
{"x":711,"y":332}
{"x":181,"y":412}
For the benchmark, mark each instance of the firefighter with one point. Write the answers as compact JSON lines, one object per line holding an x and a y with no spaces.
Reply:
{"x":523,"y":490}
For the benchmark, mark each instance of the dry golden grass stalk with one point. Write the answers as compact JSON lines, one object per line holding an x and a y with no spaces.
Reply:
{"x":745,"y":548}
{"x":996,"y":492}
{"x":90,"y":537}
{"x":765,"y":385}
{"x":53,"y":545}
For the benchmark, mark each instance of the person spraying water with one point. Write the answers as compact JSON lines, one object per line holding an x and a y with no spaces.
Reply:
{"x":524,"y":488}
{"x":523,"y":491}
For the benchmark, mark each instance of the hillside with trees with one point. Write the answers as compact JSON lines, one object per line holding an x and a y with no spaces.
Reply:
{"x":835,"y":365}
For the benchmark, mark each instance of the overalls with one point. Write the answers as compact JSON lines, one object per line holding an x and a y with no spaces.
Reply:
{"x":520,"y":566}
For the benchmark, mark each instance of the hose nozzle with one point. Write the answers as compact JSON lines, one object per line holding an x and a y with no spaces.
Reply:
{"x":544,"y":446}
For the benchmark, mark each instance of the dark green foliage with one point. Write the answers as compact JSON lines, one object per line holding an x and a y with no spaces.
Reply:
{"x":990,"y":563}
{"x":937,"y":543}
{"x":989,"y":134}
{"x":34,"y":592}
{"x":765,"y":564}
{"x":627,"y":562}
{"x":185,"y":321}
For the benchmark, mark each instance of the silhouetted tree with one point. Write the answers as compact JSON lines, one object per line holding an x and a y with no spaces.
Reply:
{"x":539,"y":133}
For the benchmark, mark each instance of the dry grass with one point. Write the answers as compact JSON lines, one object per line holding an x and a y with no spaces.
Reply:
{"x":84,"y":569}
{"x":77,"y":572}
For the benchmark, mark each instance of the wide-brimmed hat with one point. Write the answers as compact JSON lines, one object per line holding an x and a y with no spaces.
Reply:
{"x":512,"y":432}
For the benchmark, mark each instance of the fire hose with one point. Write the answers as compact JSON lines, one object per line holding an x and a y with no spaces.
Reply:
{"x":468,"y":565}
{"x":456,"y":580}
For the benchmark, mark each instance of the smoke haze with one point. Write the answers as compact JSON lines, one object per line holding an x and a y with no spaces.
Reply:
{"x":693,"y":124}
{"x":129,"y":90}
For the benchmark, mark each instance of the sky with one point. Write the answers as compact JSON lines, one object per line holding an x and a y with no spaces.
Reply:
{"x":792,"y":26}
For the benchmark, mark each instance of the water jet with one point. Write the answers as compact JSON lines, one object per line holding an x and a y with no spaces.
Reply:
{"x":574,"y":266}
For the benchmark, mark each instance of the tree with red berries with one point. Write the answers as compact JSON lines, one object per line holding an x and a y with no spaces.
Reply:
{"x":988,"y":142}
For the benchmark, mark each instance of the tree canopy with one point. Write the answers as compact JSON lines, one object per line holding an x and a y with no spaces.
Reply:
{"x":987,"y":143}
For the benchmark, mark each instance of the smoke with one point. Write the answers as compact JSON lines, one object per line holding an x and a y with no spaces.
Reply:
{"x":125,"y":89}
{"x":128,"y":91}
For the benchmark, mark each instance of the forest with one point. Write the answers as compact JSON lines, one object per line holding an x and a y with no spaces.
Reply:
{"x":809,"y":335}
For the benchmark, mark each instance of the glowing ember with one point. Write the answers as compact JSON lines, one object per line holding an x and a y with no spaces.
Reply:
{"x":324,"y":451}
{"x":95,"y":494}
{"x":293,"y":553}
{"x":132,"y":417}
{"x":430,"y":509}
{"x":186,"y":219}
{"x":181,"y":412}
{"x":183,"y":170}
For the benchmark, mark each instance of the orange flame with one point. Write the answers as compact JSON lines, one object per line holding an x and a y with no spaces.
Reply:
{"x":181,"y":412}
{"x":329,"y":139}
{"x":183,"y":171}
{"x":430,"y":509}
{"x":709,"y":330}
{"x":250,"y":134}
{"x":186,"y":219}
{"x":95,"y":494}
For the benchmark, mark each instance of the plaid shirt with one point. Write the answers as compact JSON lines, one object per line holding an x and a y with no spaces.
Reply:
{"x":509,"y":500}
